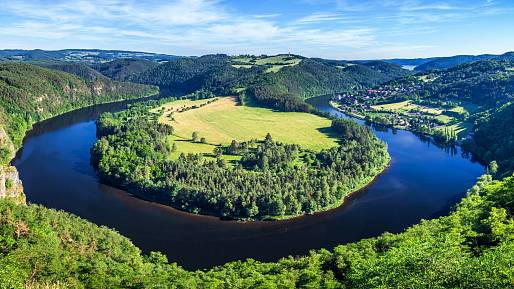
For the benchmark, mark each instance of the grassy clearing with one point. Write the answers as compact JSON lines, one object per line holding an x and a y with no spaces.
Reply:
{"x":242,"y":65}
{"x":444,"y":119}
{"x":187,"y":146}
{"x":273,"y":63}
{"x":166,"y":112}
{"x":392,"y":106}
{"x":406,"y":106}
{"x":465,"y":107}
{"x":460,"y":128}
{"x":223,"y":120}
{"x":427,"y":78}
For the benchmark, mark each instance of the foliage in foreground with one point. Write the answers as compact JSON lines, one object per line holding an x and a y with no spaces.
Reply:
{"x":271,"y":180}
{"x":473,"y":247}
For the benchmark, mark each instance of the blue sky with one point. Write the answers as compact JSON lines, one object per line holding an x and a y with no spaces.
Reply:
{"x":340,"y":29}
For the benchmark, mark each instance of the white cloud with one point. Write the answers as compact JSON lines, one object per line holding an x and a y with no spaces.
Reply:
{"x":321,"y":17}
{"x":209,"y":26}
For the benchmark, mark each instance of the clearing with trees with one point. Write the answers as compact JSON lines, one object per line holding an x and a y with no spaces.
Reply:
{"x":222,"y":120}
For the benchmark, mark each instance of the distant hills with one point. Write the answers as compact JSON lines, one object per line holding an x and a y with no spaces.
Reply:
{"x":139,"y":61}
{"x":122,"y":69}
{"x":79,"y":55}
{"x":439,"y":63}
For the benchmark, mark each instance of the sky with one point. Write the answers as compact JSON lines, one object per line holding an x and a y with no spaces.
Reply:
{"x":337,"y":29}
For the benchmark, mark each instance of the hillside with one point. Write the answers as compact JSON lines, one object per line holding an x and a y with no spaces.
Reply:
{"x":277,"y":81}
{"x":31,"y":93}
{"x":122,"y":69}
{"x":82,"y":71}
{"x":286,"y":89}
{"x":493,"y":139}
{"x":488,"y":82}
{"x":101,"y":84}
{"x":213,"y":73}
{"x":452,"y":61}
{"x":390,"y":70}
{"x":440,"y":103}
{"x":471,"y":248}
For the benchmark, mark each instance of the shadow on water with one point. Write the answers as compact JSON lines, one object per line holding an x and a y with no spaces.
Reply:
{"x":422,"y":181}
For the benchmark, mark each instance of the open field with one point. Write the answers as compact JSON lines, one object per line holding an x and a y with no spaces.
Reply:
{"x":427,"y":78}
{"x":223,"y":120}
{"x":406,"y":106}
{"x":275,"y":63}
{"x":465,"y":107}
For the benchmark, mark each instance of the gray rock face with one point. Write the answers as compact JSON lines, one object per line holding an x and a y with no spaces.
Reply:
{"x":11,"y":185}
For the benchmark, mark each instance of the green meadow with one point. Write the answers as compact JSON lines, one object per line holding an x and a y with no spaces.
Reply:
{"x":223,"y":120}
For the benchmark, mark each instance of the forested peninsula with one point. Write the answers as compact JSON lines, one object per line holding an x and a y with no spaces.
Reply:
{"x":265,"y":179}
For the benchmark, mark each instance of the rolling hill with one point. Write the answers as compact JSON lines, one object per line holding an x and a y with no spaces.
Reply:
{"x":452,"y":61}
{"x":272,"y":82}
{"x":122,"y":69}
{"x":80,"y":55}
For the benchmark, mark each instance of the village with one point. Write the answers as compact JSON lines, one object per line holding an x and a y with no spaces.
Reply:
{"x":399,"y":105}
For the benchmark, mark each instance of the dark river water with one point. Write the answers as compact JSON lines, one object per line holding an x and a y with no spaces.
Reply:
{"x":423,"y":182}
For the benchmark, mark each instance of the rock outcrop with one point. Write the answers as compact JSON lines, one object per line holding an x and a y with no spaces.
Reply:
{"x":11,"y":185}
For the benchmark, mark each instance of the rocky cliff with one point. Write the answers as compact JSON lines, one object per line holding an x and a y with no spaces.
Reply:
{"x":11,"y":185}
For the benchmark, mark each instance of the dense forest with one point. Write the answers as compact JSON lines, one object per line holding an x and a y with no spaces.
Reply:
{"x":30,"y":93}
{"x":122,"y":69}
{"x":271,"y":180}
{"x":473,"y":247}
{"x":211,"y":72}
{"x":493,"y":139}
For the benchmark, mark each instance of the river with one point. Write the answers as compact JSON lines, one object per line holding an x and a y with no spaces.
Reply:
{"x":423,"y":181}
